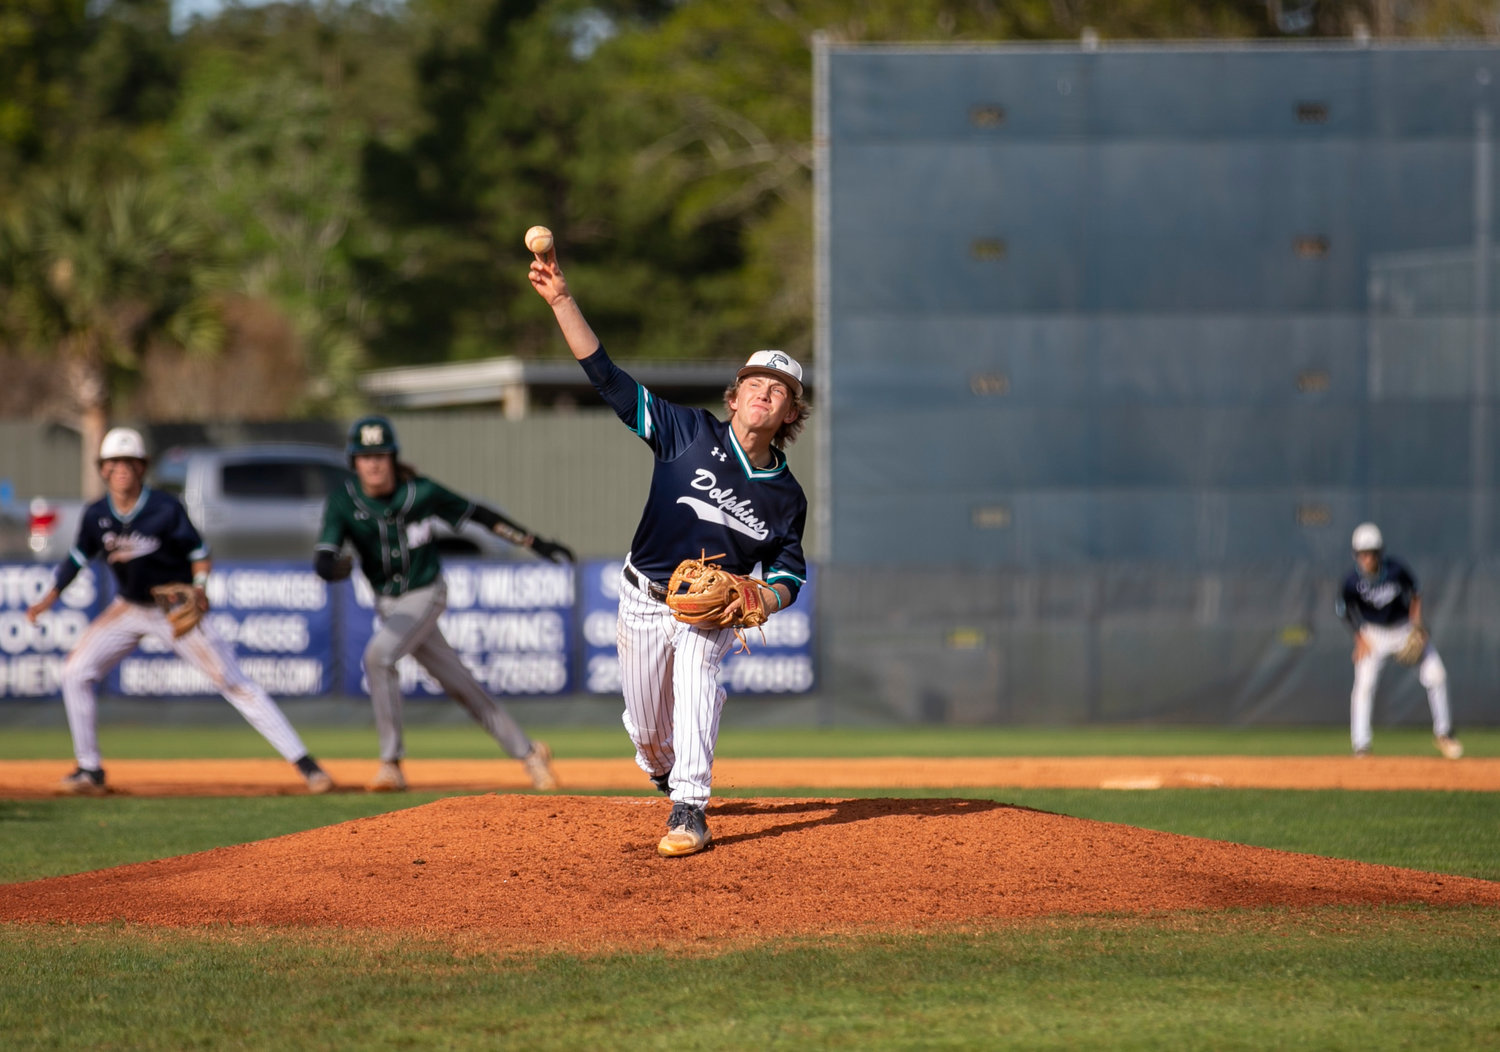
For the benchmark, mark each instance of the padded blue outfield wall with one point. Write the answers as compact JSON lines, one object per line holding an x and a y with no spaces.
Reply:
{"x":1117,"y":346}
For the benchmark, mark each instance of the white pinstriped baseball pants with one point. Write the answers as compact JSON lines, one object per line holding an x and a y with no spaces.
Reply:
{"x":669,"y":675}
{"x":117,"y":630}
{"x":1384,"y":641}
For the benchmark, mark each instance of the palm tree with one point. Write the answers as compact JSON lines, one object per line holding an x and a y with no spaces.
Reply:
{"x":97,"y":273}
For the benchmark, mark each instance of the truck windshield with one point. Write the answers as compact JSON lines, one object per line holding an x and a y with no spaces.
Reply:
{"x":278,"y":479}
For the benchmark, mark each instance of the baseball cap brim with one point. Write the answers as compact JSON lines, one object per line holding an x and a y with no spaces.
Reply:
{"x":794,"y":384}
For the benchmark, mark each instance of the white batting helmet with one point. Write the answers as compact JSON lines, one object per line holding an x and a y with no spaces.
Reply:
{"x":122,"y":442}
{"x":1367,"y":538}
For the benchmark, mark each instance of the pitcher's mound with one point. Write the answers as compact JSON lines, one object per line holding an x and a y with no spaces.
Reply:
{"x":564,"y":872}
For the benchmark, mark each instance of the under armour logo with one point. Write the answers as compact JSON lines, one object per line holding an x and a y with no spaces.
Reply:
{"x":371,"y":435}
{"x":717,"y":452}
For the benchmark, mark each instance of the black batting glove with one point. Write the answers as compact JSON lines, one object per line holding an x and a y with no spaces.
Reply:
{"x":332,"y":567}
{"x":558,"y":553}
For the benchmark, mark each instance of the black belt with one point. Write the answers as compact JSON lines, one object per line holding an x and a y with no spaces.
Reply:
{"x":654,"y":590}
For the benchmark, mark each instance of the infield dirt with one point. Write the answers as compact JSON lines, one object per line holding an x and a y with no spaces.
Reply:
{"x":530,"y":872}
{"x":250,"y":777}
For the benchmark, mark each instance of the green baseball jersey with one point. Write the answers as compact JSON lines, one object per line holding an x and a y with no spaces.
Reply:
{"x":393,"y":535}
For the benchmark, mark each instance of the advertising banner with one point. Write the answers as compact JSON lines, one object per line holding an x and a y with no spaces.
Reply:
{"x":278,"y":617}
{"x":510,"y":622}
{"x":31,"y":656}
{"x":781,"y":663}
{"x":515,"y":625}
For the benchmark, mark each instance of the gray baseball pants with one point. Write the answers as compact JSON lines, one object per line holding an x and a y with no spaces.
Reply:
{"x":409,"y":625}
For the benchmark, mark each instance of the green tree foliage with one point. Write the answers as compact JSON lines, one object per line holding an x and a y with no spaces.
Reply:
{"x":76,"y":77}
{"x":38,"y":39}
{"x":128,"y":72}
{"x":275,"y":176}
{"x":499,"y":93}
{"x":369,"y":167}
{"x":97,"y":270}
{"x":277,"y":105}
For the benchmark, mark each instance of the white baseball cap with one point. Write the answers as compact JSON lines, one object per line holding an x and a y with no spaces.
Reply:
{"x":122,"y":442}
{"x":774,"y":363}
{"x":1367,"y":538}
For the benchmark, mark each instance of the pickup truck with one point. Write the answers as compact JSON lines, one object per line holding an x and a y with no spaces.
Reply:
{"x":261,"y":501}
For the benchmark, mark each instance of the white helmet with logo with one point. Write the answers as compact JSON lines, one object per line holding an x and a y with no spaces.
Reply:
{"x":122,"y":442}
{"x":1367,"y":538}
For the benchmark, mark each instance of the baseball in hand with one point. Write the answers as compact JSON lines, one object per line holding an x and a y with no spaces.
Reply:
{"x":539,"y":240}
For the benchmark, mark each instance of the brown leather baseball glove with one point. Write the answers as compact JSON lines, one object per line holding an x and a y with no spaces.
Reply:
{"x":183,"y":603}
{"x":1415,"y":646}
{"x":703,"y":593}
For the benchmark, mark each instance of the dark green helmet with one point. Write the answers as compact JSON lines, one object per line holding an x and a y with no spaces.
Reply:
{"x":372,"y":434}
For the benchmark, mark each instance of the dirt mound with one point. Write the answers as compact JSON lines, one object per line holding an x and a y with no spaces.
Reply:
{"x":582,"y":873}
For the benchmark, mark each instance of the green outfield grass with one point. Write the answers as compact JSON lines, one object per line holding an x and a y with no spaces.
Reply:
{"x":51,"y":837}
{"x":1322,"y":979}
{"x":463,"y":741}
{"x":1328,"y":978}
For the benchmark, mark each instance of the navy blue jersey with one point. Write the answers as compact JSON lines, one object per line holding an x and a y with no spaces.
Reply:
{"x":155,"y":544}
{"x":705,"y":494}
{"x":1382,"y":599}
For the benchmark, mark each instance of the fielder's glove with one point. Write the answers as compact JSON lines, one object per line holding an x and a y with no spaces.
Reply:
{"x":558,"y":553}
{"x":1414,"y":647}
{"x":704,"y":593}
{"x":183,"y":603}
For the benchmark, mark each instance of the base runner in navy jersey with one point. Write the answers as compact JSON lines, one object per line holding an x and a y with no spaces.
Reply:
{"x":385,"y":512}
{"x":718,"y":487}
{"x":1382,"y":603}
{"x":147,"y":540}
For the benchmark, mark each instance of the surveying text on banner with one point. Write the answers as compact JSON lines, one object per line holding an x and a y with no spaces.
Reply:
{"x":510,"y":622}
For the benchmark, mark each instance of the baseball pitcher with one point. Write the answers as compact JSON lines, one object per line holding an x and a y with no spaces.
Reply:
{"x":719,"y":487}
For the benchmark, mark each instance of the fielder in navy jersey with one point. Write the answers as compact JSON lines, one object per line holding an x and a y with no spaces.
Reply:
{"x":1382,"y":602}
{"x":720,"y":488}
{"x":147,"y":539}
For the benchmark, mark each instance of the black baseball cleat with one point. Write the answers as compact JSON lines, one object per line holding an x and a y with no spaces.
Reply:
{"x":318,"y":780}
{"x":687,"y":832}
{"x":663,"y":782}
{"x":83,"y":783}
